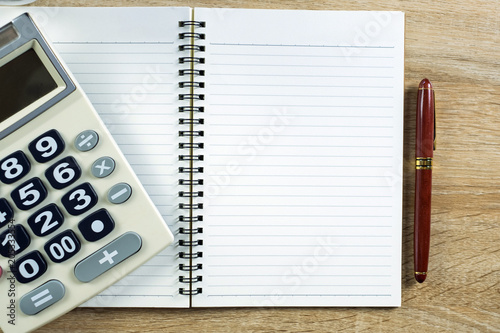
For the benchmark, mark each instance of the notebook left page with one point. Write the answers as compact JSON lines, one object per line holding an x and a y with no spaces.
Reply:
{"x":126,"y":59}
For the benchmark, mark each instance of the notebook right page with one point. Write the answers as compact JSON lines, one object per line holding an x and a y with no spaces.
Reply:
{"x":303,"y":158}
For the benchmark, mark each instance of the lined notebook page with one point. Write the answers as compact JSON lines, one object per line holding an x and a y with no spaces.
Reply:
{"x":125,"y":59}
{"x":303,"y":166}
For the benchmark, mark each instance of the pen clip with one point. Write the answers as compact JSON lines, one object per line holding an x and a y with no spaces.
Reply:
{"x":434,"y":109}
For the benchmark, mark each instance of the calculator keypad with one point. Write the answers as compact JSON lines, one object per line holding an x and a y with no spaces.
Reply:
{"x":61,"y":176}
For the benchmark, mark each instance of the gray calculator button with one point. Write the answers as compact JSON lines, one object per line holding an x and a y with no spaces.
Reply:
{"x":107,"y":257}
{"x":42,"y":297}
{"x":119,"y":193}
{"x":86,"y":140}
{"x":103,"y":167}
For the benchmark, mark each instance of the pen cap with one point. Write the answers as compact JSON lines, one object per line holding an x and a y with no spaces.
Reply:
{"x":425,"y":120}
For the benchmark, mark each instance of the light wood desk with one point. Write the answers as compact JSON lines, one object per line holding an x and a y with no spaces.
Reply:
{"x":456,"y":45}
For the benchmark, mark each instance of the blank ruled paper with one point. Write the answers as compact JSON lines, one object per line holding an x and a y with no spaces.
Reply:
{"x":303,"y":129}
{"x":126,"y":62}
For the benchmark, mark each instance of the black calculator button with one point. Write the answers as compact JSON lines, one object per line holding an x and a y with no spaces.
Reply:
{"x":47,"y":146}
{"x":80,"y":199}
{"x":6,"y":212}
{"x":63,"y":246}
{"x":63,"y":173}
{"x":13,"y":241}
{"x":30,"y":267}
{"x":46,"y":220}
{"x":96,"y":225}
{"x":29,"y":194}
{"x":14,"y":167}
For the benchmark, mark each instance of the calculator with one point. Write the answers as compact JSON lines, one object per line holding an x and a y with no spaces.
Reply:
{"x":74,"y":218}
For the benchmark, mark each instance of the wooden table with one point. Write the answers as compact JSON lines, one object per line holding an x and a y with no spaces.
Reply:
{"x":456,"y":45}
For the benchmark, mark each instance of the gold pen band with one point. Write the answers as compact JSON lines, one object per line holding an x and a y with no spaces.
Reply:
{"x":423,"y":163}
{"x":420,"y":273}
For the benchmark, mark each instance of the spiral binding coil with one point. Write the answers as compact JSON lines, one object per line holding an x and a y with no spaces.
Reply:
{"x":191,"y":155}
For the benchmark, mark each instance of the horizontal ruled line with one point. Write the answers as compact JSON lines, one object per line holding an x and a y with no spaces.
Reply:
{"x":111,"y":43}
{"x":298,"y":255}
{"x":274,"y":265}
{"x":305,"y":45}
{"x":304,"y":75}
{"x":339,"y":156}
{"x":295,"y":215}
{"x":274,"y":205}
{"x":305,"y":165}
{"x":322,"y":235}
{"x":314,"y":136}
{"x":298,"y":245}
{"x":301,"y":66}
{"x":307,"y":186}
{"x":304,"y":196}
{"x":124,"y":53}
{"x":214,"y":114}
{"x":299,"y":126}
{"x":307,"y":146}
{"x":134,"y":295}
{"x":117,"y":73}
{"x":299,"y":55}
{"x":305,"y":275}
{"x":306,"y":106}
{"x":297,"y":85}
{"x":120,"y":63}
{"x":299,"y":295}
{"x":301,"y":285}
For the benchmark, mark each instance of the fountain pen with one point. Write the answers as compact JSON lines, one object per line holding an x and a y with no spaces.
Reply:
{"x":424,"y":146}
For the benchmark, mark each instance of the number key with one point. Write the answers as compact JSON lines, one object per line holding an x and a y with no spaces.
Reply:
{"x":63,"y":246}
{"x":80,"y":199}
{"x":63,"y":173}
{"x":46,"y":220}
{"x":14,"y":167}
{"x":47,"y":146}
{"x":13,"y":241}
{"x":29,"y":194}
{"x":29,"y":268}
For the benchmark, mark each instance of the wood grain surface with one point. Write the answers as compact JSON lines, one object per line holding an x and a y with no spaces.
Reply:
{"x":456,"y":45}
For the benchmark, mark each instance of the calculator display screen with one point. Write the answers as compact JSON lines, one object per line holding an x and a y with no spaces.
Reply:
{"x":23,"y":81}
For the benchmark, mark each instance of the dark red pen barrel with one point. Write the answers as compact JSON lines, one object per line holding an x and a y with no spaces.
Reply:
{"x":424,"y":148}
{"x":424,"y":144}
{"x":422,"y":226}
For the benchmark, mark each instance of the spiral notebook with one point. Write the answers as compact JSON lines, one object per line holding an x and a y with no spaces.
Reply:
{"x":271,"y":141}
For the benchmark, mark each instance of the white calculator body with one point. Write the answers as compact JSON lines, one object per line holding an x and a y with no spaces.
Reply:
{"x":74,"y":218}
